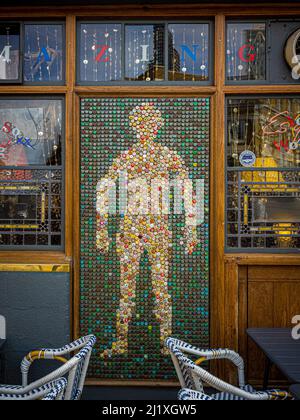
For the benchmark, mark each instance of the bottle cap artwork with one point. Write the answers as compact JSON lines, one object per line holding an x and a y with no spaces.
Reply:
{"x":144,"y":275}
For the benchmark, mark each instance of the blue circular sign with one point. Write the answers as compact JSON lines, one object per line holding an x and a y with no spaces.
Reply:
{"x":247,"y":158}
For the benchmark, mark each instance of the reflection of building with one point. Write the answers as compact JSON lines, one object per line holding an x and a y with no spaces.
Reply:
{"x":156,"y":67}
{"x":10,"y":71}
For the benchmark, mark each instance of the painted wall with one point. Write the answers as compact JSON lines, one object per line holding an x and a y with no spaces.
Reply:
{"x":37,"y":310}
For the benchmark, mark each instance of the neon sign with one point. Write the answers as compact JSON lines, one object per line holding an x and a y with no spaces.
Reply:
{"x":15,"y":136}
{"x":282,"y":123}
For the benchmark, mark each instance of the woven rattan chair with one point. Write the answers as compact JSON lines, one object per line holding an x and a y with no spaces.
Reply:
{"x":192,"y":377}
{"x":49,"y":392}
{"x":74,"y":369}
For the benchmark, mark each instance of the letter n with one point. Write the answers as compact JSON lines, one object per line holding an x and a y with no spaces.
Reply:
{"x":185,"y":50}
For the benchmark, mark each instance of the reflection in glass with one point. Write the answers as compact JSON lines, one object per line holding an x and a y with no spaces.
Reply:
{"x":100,"y":52}
{"x":9,"y":52}
{"x":188,"y":52}
{"x":246,"y":51}
{"x":43,"y":55}
{"x":30,"y":173}
{"x":30,"y":132}
{"x":263,"y":194}
{"x":144,"y":52}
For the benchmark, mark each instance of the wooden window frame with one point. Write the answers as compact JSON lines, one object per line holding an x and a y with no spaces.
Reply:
{"x":223,"y":267}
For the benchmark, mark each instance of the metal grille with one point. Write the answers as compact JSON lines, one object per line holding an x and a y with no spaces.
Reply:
{"x":263,"y":209}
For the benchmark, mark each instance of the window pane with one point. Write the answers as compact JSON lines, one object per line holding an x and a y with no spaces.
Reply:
{"x":30,"y":132}
{"x":246,"y":51}
{"x":9,"y":52}
{"x":188,"y":52}
{"x":263,"y":176}
{"x":31,"y":177}
{"x":144,"y":52}
{"x":43,"y":53}
{"x":100,"y":52}
{"x":30,"y":214}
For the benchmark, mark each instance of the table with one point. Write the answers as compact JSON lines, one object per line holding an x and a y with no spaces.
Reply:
{"x":2,"y":361}
{"x":295,"y":390}
{"x":280,"y":349}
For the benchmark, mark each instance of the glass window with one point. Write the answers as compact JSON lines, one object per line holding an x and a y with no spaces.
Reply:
{"x":44,"y":53}
{"x":100,"y":52}
{"x":31,"y":177}
{"x":150,"y":52}
{"x":263,"y":177}
{"x":10,"y":53}
{"x":188,"y":52}
{"x":144,"y":52}
{"x":246,"y":51}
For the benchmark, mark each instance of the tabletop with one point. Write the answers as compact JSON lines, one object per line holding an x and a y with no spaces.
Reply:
{"x":2,"y":342}
{"x":295,"y":390}
{"x":280,"y":348}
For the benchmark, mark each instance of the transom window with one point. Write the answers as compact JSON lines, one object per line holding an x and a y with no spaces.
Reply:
{"x":144,"y":52}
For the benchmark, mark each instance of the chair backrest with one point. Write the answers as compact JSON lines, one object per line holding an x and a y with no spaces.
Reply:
{"x":189,"y":395}
{"x":57,"y":391}
{"x":75,"y":368}
{"x":53,"y":390}
{"x":2,"y":328}
{"x":183,"y":365}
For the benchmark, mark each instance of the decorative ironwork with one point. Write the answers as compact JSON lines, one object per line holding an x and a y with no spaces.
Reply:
{"x":263,"y":175}
{"x":31,"y":176}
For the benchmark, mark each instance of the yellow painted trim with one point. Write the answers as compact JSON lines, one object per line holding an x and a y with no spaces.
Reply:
{"x":19,"y":187}
{"x":44,"y":268}
{"x":246,"y":208}
{"x":199,"y":361}
{"x":19,"y":226}
{"x":43,"y":207}
{"x":40,"y":354}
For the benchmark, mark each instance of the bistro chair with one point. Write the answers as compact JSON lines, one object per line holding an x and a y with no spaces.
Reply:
{"x":2,"y":344}
{"x":2,"y":328}
{"x":75,"y":368}
{"x":49,"y":392}
{"x":192,"y":377}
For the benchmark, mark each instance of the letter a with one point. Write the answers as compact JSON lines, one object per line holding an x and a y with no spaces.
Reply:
{"x":6,"y":54}
{"x":45,"y":53}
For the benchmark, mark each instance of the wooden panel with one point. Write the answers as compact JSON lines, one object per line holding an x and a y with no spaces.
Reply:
{"x":286,"y":302}
{"x":191,"y":11}
{"x":265,"y":259}
{"x":256,"y":273}
{"x":243,"y":312}
{"x":217,"y":272}
{"x":273,"y":299}
{"x":260,"y":314}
